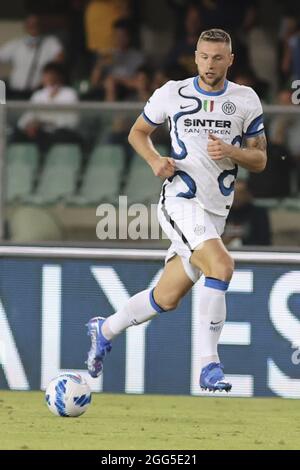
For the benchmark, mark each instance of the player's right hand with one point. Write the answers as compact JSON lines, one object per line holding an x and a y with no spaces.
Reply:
{"x":164,"y":167}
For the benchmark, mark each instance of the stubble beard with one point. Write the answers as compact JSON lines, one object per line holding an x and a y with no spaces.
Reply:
{"x":211,"y":83}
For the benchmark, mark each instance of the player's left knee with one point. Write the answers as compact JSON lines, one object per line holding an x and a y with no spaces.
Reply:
{"x":223,"y":269}
{"x":169,"y":302}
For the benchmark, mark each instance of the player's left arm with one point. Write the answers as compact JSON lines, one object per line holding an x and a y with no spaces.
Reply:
{"x":253,"y":157}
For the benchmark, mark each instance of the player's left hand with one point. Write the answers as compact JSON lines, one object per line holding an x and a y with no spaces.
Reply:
{"x":217,"y":149}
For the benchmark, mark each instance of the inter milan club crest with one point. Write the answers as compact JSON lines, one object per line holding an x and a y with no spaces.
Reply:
{"x":228,"y":107}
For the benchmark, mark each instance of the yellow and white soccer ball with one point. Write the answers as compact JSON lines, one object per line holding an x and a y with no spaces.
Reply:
{"x":68,"y":395}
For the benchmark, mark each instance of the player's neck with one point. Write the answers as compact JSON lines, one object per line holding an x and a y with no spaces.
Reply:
{"x":204,"y":86}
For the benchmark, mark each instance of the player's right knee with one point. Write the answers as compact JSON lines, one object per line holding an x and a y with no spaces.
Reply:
{"x":166,"y":301}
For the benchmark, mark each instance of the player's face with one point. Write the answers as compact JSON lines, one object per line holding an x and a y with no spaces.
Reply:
{"x":213,"y":60}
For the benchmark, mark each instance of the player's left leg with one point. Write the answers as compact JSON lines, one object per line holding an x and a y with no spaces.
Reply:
{"x":217,"y":265}
{"x":173,"y":284}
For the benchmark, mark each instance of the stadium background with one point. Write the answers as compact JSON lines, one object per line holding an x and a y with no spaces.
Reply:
{"x":54,"y":181}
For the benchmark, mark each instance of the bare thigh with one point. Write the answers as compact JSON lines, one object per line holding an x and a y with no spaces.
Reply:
{"x":173,"y":284}
{"x":214,"y":260}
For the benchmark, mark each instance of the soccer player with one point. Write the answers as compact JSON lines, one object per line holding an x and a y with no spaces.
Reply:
{"x":209,"y":120}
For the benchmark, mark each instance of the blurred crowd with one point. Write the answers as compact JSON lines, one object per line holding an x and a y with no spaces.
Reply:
{"x":122,"y":50}
{"x":114,"y":50}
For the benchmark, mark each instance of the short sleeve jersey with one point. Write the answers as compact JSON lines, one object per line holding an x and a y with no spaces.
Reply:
{"x":232,"y":114}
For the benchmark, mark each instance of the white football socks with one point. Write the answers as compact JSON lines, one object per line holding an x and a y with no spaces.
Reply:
{"x":212,"y":318}
{"x":139,"y":309}
{"x":142,"y":307}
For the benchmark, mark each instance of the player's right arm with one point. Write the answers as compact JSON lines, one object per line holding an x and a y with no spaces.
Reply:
{"x":155,"y":113}
{"x":139,"y":138}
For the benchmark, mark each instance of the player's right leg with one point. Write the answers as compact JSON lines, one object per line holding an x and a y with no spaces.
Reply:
{"x":171,"y":287}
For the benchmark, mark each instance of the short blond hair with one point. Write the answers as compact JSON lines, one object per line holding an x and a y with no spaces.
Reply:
{"x":215,"y":35}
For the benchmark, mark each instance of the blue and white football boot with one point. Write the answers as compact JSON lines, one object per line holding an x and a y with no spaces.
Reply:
{"x":212,"y":378}
{"x":100,"y":346}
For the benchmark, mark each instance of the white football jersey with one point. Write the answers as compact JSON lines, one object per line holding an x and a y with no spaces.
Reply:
{"x":232,"y":114}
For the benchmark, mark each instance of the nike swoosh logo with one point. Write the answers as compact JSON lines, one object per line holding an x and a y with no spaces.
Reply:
{"x":215,"y":323}
{"x":183,"y":107}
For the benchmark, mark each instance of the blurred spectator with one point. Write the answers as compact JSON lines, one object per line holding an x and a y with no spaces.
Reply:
{"x":163,"y":75}
{"x":49,"y":127}
{"x":290,"y":64}
{"x":287,"y":28}
{"x":285,"y":131}
{"x":160,"y":77}
{"x":27,"y":57}
{"x":100,"y":16}
{"x":247,"y":224}
{"x":157,"y":27}
{"x":77,"y":54}
{"x":141,"y":88}
{"x":262,"y":52}
{"x":276,"y":180}
{"x":64,"y":19}
{"x":228,"y":14}
{"x":183,"y":53}
{"x":115,"y":76}
{"x":246,"y":77}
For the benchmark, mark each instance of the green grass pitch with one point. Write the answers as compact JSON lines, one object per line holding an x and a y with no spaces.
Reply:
{"x":151,"y":422}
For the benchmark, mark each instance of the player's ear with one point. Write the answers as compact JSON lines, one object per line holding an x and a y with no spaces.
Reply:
{"x":231,"y":59}
{"x":196,"y":56}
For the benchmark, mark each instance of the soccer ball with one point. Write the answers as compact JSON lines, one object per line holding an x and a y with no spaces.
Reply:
{"x":68,"y":395}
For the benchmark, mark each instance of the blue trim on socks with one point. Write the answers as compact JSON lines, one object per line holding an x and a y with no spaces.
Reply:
{"x":103,"y":338}
{"x":154,"y":305}
{"x":216,"y":283}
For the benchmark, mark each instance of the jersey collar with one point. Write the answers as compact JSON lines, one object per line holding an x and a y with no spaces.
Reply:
{"x":209,"y":93}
